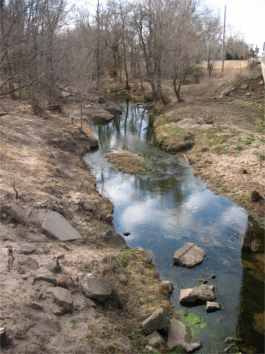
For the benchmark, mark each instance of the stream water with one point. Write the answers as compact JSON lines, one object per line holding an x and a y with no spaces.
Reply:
{"x":170,"y":206}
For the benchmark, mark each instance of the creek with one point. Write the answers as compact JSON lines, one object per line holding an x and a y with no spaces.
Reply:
{"x":169,"y":206}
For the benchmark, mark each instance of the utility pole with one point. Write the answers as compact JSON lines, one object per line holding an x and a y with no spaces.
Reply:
{"x":223,"y":45}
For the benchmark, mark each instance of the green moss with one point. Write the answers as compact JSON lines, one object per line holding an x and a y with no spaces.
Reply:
{"x":124,"y":256}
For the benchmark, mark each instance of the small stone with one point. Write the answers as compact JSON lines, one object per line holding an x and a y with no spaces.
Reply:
{"x":166,"y":287}
{"x":159,"y":320}
{"x":96,"y":289}
{"x":197,"y":295}
{"x":212,"y":306}
{"x":55,"y":266}
{"x":123,"y":279}
{"x":232,"y":340}
{"x":26,"y":250}
{"x":155,"y":340}
{"x":126,"y":234}
{"x":189,"y":255}
{"x":244,"y":86}
{"x":3,"y":338}
{"x":36,"y":306}
{"x":62,"y":298}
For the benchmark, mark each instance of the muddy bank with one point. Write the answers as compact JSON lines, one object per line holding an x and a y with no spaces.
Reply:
{"x":46,"y":301}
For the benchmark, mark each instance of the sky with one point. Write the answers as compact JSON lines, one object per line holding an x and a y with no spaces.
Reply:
{"x":244,"y":17}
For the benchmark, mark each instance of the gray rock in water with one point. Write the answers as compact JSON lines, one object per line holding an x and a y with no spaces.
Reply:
{"x":212,"y":306}
{"x":198,"y":295}
{"x":55,"y":225}
{"x":189,"y":255}
{"x":177,"y":337}
{"x":155,"y":340}
{"x":99,"y":290}
{"x":63,"y":298}
{"x":159,"y":320}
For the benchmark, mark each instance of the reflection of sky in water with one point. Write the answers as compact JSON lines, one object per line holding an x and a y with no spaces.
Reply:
{"x":163,"y":212}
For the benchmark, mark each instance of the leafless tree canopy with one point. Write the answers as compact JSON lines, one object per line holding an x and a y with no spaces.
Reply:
{"x":124,"y":41}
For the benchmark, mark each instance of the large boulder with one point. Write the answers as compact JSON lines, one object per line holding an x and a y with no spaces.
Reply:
{"x":177,"y":335}
{"x":96,"y":289}
{"x":55,"y":225}
{"x":63,"y":298}
{"x":189,"y":255}
{"x":198,"y":295}
{"x":159,"y":320}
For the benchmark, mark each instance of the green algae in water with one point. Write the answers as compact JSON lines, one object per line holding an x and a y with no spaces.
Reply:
{"x":194,"y":322}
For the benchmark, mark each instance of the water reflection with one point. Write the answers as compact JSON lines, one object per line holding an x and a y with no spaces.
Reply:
{"x":169,"y":207}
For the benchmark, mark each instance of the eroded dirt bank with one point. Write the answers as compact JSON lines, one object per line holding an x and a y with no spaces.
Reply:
{"x":43,"y":306}
{"x":220,"y":130}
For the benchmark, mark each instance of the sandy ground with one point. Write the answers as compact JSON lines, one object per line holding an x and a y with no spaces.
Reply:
{"x":40,"y":169}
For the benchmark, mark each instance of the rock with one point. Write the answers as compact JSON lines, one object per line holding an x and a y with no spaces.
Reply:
{"x":177,"y":337}
{"x":166,"y":287}
{"x":248,"y":94}
{"x":62,"y":298}
{"x":244,"y":86}
{"x":3,"y":338}
{"x":54,"y":266}
{"x":155,"y":340}
{"x":96,"y":289}
{"x":198,"y":295}
{"x":55,"y":225}
{"x":27,"y":264}
{"x":123,"y":279}
{"x":212,"y":306}
{"x":27,"y":250}
{"x":16,"y":213}
{"x":126,"y":234}
{"x":90,"y":136}
{"x":101,"y":100}
{"x":189,"y":255}
{"x":65,"y":281}
{"x":82,"y":303}
{"x":2,"y":113}
{"x":256,"y":197}
{"x":46,"y":278}
{"x":159,"y":320}
{"x":229,"y":348}
{"x":232,"y":340}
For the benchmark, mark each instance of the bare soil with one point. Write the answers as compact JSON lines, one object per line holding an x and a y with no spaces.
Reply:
{"x":227,"y":119}
{"x":41,"y":168}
